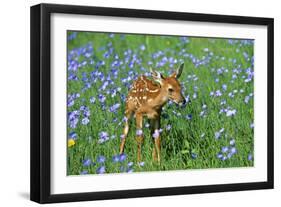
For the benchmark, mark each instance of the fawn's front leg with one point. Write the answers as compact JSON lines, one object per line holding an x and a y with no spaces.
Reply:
{"x":126,"y":130}
{"x":139,"y":133}
{"x":155,"y":127}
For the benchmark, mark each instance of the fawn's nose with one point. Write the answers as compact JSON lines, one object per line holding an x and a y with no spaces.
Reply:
{"x":182,"y":102}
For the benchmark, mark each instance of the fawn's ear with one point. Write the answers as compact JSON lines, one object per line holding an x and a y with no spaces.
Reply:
{"x":178,"y":72}
{"x":158,"y":77}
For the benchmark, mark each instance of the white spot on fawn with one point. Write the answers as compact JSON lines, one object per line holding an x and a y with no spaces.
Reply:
{"x":153,"y":91}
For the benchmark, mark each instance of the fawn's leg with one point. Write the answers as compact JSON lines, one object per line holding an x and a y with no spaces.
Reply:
{"x":139,"y":133}
{"x":125,"y":131}
{"x":156,"y":137}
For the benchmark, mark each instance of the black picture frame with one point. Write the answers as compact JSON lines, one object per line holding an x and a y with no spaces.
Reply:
{"x":41,"y":99}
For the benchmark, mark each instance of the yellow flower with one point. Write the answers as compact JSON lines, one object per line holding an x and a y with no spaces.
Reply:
{"x":70,"y":142}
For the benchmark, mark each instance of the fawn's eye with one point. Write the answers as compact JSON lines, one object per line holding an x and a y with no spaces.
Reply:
{"x":171,"y":90}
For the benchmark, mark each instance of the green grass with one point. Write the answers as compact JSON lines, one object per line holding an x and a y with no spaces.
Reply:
{"x":184,"y":146}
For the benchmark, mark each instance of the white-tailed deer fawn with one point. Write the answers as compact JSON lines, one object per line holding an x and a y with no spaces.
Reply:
{"x":146,"y":98}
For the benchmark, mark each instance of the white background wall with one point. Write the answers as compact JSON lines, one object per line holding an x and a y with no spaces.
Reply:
{"x":14,"y":96}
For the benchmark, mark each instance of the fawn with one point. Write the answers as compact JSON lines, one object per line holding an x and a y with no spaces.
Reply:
{"x":146,"y":98}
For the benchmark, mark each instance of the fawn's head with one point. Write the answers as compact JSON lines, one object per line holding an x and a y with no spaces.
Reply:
{"x":170,"y":86}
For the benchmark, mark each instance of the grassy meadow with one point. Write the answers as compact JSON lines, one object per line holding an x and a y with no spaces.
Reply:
{"x":214,"y":129}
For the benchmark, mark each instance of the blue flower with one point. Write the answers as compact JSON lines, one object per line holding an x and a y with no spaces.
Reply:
{"x":218,"y":93}
{"x":250,"y":157}
{"x":224,"y":87}
{"x":219,"y":155}
{"x":141,"y":164}
{"x":101,"y":98}
{"x":232,"y":142}
{"x":156,"y":134}
{"x":84,"y":172}
{"x":72,"y":135}
{"x":247,"y":99}
{"x":217,"y":135}
{"x":130,"y":170}
{"x":224,"y":149}
{"x":72,"y":36}
{"x":87,"y":162}
{"x":168,"y":127}
{"x":101,"y":159}
{"x":193,"y":155}
{"x":101,"y":170}
{"x":92,"y":100}
{"x":130,"y":164}
{"x":114,"y":107}
{"x":194,"y":96}
{"x":142,"y":47}
{"x":73,"y":123}
{"x":252,"y":125}
{"x":233,"y":150}
{"x":188,"y":116}
{"x":231,"y":112}
{"x":122,"y":157}
{"x":85,"y":121}
{"x":115,"y":158}
{"x":139,"y":132}
{"x":103,"y":137}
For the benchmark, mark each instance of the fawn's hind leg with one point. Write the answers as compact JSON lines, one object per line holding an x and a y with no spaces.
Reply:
{"x":155,"y":127}
{"x":126,"y":130}
{"x":139,"y":138}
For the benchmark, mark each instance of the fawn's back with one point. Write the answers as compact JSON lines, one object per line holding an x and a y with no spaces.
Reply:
{"x":142,"y":92}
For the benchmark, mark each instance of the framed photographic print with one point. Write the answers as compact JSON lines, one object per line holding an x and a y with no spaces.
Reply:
{"x":132,"y":103}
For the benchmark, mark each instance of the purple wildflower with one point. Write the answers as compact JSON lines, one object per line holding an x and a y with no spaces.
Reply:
{"x":142,"y":47}
{"x":115,"y":158}
{"x":122,"y":157}
{"x":103,"y":137}
{"x":250,"y":157}
{"x":217,"y":135}
{"x":101,"y":159}
{"x":130,"y":170}
{"x":130,"y":164}
{"x":252,"y":125}
{"x":72,"y":135}
{"x":84,"y":172}
{"x":92,"y":100}
{"x":139,"y":132}
{"x":156,"y":134}
{"x":101,"y":98}
{"x":218,"y":93}
{"x":231,"y":112}
{"x":188,"y":116}
{"x":193,"y":155}
{"x":232,"y":142}
{"x":233,"y":150}
{"x":101,"y":170}
{"x":85,"y":121}
{"x":87,"y":162}
{"x":168,"y":127}
{"x":114,"y":107}
{"x":224,"y":149}
{"x":141,"y":164}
